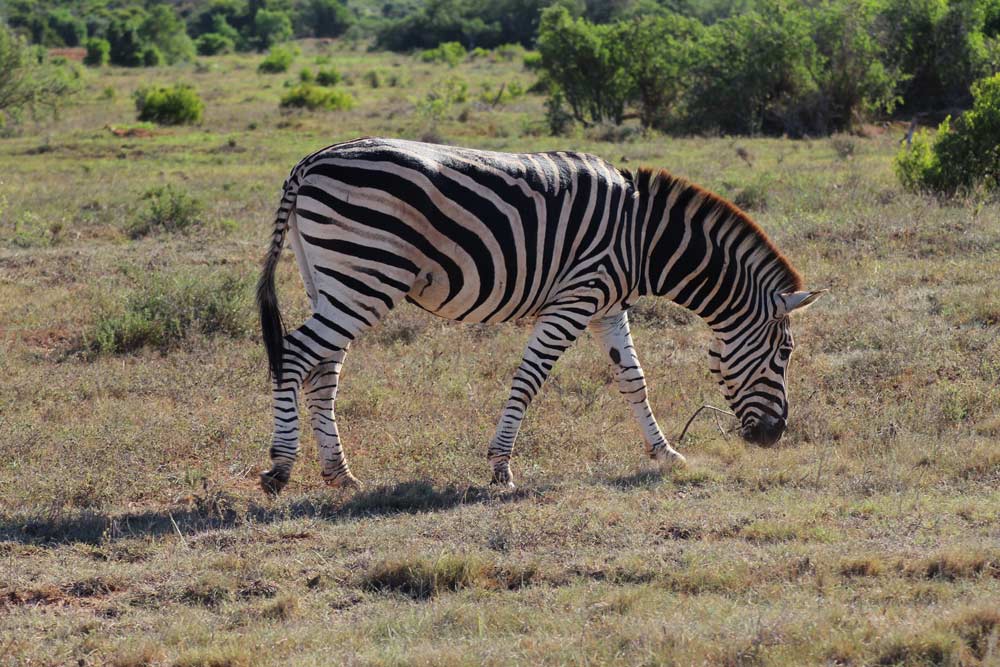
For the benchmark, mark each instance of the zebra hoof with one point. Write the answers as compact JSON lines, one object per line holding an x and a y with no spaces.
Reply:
{"x":668,"y":459}
{"x":503,"y":480}
{"x":273,"y":481}
{"x":347,"y":481}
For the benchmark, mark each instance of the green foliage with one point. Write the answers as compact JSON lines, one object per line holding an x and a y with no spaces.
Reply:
{"x":328,"y":77}
{"x":278,"y":60}
{"x":126,"y":44}
{"x":306,"y":75}
{"x":448,"y":52}
{"x":152,"y":56}
{"x":69,"y":29}
{"x":98,"y":52}
{"x":660,"y":57}
{"x":213,"y":43}
{"x":964,"y":155}
{"x":174,"y":105}
{"x":166,"y":309}
{"x":29,"y":81}
{"x":442,"y":98}
{"x":168,"y":209}
{"x":589,"y":64}
{"x":764,"y":61}
{"x":163,"y":31}
{"x":324,"y":18}
{"x":271,"y":27}
{"x":312,"y":97}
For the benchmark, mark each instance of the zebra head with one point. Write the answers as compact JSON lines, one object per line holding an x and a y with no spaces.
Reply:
{"x":749,"y":364}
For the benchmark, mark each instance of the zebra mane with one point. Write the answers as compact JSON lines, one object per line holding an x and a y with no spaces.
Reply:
{"x":649,"y":181}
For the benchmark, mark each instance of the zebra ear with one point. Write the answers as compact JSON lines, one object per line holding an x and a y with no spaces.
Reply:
{"x":797,"y":300}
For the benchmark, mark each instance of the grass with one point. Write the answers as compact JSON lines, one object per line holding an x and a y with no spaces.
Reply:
{"x":132,"y":531}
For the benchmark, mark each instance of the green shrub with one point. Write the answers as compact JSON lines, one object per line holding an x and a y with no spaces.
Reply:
{"x":532,"y":61}
{"x":271,"y":27}
{"x":449,"y":52}
{"x":317,"y":97}
{"x":213,"y":44}
{"x":98,"y":52}
{"x":169,"y":209}
{"x":152,"y":57}
{"x":175,"y":105}
{"x":278,"y":60}
{"x":373,"y":78}
{"x":167,"y":309}
{"x":963,"y":155}
{"x":306,"y":75}
{"x":328,"y":77}
{"x":326,"y":18}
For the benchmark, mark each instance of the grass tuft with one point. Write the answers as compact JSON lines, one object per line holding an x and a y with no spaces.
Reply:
{"x":166,"y":310}
{"x":861,"y":567}
{"x":953,"y":565}
{"x":421,"y":578}
{"x":169,"y":209}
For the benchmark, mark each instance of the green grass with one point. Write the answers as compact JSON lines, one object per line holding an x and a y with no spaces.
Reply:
{"x":132,"y":531}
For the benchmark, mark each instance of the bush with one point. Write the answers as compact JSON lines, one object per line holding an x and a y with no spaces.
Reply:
{"x":163,"y":31}
{"x":588,"y":63}
{"x":306,"y":75}
{"x":176,"y":105}
{"x":152,"y":57}
{"x":126,"y":45}
{"x":169,"y":210}
{"x":167,"y":309}
{"x":960,"y":158}
{"x":98,"y":52}
{"x":325,"y":18}
{"x":316,"y":97}
{"x":328,"y":77}
{"x":28,"y":80}
{"x":213,"y":44}
{"x":271,"y":27}
{"x":449,"y":52}
{"x":278,"y":60}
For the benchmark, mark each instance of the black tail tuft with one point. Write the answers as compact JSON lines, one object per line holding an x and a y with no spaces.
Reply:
{"x":271,"y":326}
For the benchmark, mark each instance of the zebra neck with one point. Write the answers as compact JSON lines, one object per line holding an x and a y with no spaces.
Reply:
{"x":704,"y":254}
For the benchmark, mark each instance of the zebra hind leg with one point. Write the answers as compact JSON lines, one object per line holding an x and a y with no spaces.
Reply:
{"x":321,"y":393}
{"x":302,"y":350}
{"x":553,"y":334}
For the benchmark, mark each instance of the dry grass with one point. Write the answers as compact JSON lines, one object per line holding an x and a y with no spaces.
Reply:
{"x":132,"y":531}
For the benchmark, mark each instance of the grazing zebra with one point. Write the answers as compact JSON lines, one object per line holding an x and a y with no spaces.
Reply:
{"x":564,"y":238}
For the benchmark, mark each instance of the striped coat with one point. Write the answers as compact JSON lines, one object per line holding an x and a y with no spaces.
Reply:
{"x":563,"y":238}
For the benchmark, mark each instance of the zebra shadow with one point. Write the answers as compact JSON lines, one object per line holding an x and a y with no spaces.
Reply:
{"x":221,"y":511}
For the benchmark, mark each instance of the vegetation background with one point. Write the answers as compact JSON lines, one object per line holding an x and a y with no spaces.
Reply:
{"x":134,"y":402}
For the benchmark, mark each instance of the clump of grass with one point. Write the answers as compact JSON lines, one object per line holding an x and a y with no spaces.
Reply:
{"x":210,"y":590}
{"x":861,"y":567}
{"x":142,"y":655}
{"x":980,"y":630}
{"x":927,"y":648}
{"x":168,"y":209}
{"x":283,"y":608}
{"x":422,"y":577}
{"x":312,"y":97}
{"x":953,"y":565}
{"x":216,"y":656}
{"x":167,"y":309}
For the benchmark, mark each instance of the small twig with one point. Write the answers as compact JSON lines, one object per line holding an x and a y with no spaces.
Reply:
{"x":705,"y":406}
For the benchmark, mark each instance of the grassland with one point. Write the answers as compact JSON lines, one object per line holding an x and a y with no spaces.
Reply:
{"x":132,"y":531}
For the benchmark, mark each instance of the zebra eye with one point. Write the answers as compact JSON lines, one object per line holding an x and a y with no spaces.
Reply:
{"x":784,"y":353}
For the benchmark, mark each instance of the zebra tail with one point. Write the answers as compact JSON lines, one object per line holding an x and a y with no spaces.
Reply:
{"x":271,"y":325}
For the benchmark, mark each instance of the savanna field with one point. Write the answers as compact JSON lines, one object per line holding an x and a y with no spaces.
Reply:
{"x":135,"y":413}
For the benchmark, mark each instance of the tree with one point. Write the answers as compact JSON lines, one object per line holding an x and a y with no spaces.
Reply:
{"x":28,"y":81}
{"x":126,"y":45}
{"x":588,"y":63}
{"x":325,"y":18}
{"x":757,"y":72}
{"x":163,"y":30}
{"x":271,"y":27}
{"x":660,"y":50}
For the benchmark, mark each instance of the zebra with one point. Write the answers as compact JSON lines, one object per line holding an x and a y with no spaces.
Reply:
{"x":562,"y":238}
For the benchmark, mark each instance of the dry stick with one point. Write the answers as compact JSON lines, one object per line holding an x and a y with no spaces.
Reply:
{"x":705,"y":406}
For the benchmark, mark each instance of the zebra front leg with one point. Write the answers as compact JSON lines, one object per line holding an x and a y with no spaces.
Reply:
{"x":302,"y":350}
{"x":321,"y":393}
{"x":553,"y":334}
{"x":616,"y":339}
